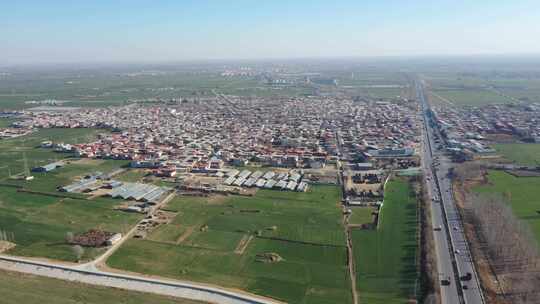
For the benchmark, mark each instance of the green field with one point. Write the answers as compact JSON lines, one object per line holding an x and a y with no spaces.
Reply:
{"x":523,"y":89}
{"x":13,"y":151}
{"x":523,"y":154}
{"x":483,"y":87}
{"x":361,"y":215}
{"x":132,"y":175}
{"x":39,"y":222}
{"x":472,"y":97}
{"x":100,"y":89}
{"x":522,"y":193}
{"x":304,"y":229}
{"x":29,"y":289}
{"x":385,"y":259}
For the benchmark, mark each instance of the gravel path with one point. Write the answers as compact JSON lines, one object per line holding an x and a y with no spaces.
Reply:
{"x":172,"y":288}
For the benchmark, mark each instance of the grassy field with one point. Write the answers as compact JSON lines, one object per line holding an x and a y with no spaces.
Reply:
{"x":362,"y":215}
{"x":523,"y":154}
{"x":39,"y":222}
{"x":523,"y":89}
{"x":472,"y":97}
{"x":29,"y":289}
{"x":132,"y":175}
{"x":105,"y":88}
{"x":386,"y":258}
{"x":304,"y":229}
{"x":523,"y":194}
{"x":483,"y":87}
{"x":13,"y":151}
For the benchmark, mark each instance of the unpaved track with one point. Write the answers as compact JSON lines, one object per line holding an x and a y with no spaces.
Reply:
{"x":180,"y":289}
{"x":90,"y":273}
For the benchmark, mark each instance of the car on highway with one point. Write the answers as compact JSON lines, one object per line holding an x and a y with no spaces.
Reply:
{"x":438,"y":228}
{"x":466,"y":277}
{"x":445,"y":282}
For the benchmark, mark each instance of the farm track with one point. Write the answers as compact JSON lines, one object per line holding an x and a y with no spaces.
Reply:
{"x":243,"y":244}
{"x":350,"y":258}
{"x":185,"y":235}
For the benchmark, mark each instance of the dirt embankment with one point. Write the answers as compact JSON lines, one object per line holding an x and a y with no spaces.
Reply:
{"x":5,"y":246}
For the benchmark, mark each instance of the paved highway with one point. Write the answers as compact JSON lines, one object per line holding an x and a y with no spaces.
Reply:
{"x":453,"y":256}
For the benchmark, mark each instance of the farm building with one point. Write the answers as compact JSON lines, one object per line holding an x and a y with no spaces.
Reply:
{"x":269,"y":175}
{"x":232,"y":173}
{"x":257,"y":174}
{"x":139,"y":192}
{"x":230,"y":180}
{"x":270,"y":184}
{"x":49,"y":167}
{"x":260,"y":183}
{"x":80,"y":186}
{"x":302,"y":187}
{"x":245,"y":174}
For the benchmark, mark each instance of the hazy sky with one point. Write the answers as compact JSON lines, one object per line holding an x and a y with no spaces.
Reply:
{"x":132,"y":30}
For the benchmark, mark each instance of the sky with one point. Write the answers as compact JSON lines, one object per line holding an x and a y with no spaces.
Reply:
{"x":180,"y":30}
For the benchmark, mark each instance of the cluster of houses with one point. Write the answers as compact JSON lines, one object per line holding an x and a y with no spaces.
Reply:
{"x":466,"y":128}
{"x":291,"y":181}
{"x":203,"y":137}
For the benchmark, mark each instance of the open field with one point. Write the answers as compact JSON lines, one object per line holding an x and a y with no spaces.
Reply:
{"x":304,"y":229}
{"x":523,"y":154}
{"x":472,"y":97}
{"x":361,"y":215}
{"x":385,"y":258}
{"x":132,"y":175}
{"x":378,"y":88}
{"x":39,"y":222}
{"x":522,"y":193}
{"x":106,"y":88}
{"x":523,"y":89}
{"x":15,"y":288}
{"x":483,"y":87}
{"x":13,"y":151}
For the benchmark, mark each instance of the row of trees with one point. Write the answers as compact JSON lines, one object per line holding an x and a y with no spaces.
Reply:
{"x":510,"y":246}
{"x":7,"y":236}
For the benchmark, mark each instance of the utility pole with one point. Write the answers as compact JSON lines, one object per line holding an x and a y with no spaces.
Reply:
{"x":26,"y":169}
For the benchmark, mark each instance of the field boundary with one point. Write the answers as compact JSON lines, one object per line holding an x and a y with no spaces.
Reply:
{"x":299,"y":242}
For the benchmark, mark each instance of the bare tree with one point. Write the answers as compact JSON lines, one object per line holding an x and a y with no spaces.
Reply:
{"x":78,"y":251}
{"x":509,"y":244}
{"x":69,"y":237}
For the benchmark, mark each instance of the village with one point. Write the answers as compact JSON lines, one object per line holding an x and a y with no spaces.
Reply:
{"x":470,"y":131}
{"x":204,"y":137}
